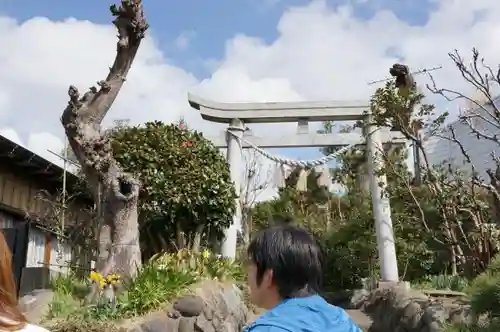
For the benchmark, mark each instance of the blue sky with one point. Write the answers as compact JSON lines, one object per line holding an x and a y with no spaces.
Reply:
{"x":213,"y":23}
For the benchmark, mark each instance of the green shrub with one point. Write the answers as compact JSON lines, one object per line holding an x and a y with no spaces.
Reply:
{"x":63,"y":306}
{"x":443,"y":281}
{"x":159,"y":281}
{"x":493,"y":327}
{"x":485,"y":294}
{"x":204,"y":264}
{"x":194,"y":190}
{"x":154,"y":286}
{"x":69,"y":285}
{"x":349,"y":261}
{"x":484,"y":291}
{"x":69,"y":291}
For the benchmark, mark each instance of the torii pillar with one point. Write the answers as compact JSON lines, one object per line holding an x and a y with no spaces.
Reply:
{"x":235,"y":114}
{"x":380,"y":204}
{"x":235,"y":161}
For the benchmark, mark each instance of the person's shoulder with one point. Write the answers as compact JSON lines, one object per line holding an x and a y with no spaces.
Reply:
{"x":270,"y":321}
{"x":33,"y":328}
{"x":265,"y":328}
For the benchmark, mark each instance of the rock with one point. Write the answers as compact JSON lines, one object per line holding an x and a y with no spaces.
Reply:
{"x":403,"y":309}
{"x":186,"y":324}
{"x":215,"y":307}
{"x":412,"y":315}
{"x":159,"y":323}
{"x":36,"y":304}
{"x":358,"y":298}
{"x":189,"y":306}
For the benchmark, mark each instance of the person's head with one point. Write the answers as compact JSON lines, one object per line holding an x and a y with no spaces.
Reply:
{"x":283,"y":262}
{"x":11,"y":319}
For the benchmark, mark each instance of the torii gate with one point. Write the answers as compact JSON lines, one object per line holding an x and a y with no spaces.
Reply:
{"x":237,"y":115}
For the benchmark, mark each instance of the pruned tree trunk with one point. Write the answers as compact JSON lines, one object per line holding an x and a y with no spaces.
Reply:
{"x":115,"y":191}
{"x":246,"y":225}
{"x":198,"y":232}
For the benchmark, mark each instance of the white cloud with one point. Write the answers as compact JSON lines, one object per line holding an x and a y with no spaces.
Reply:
{"x":320,"y":53}
{"x":45,"y":143}
{"x":183,"y":41}
{"x":42,"y":143}
{"x":11,"y":134}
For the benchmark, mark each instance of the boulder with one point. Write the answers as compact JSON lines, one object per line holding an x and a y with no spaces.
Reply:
{"x":36,"y":304}
{"x":401,"y":309}
{"x":213,"y":307}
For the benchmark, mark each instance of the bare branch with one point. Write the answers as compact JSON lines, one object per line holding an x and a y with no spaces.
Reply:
{"x":487,"y":110}
{"x":94,"y":104}
{"x":256,"y":182}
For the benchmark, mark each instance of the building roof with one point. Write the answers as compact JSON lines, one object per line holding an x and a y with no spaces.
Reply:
{"x":28,"y":162}
{"x":33,"y":166}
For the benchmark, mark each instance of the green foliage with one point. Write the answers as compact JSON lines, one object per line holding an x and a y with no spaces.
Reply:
{"x":350,"y":242}
{"x":204,"y":264}
{"x":69,"y":291}
{"x":455,"y":214}
{"x":63,"y":306}
{"x":484,"y":291}
{"x":159,"y":281}
{"x":484,"y":296}
{"x":445,"y":282}
{"x":154,"y":286}
{"x":492,"y":327}
{"x":350,"y":252}
{"x":315,"y":193}
{"x":300,"y":207}
{"x":69,"y":285}
{"x":351,"y":249}
{"x":186,"y":186}
{"x":403,"y":112}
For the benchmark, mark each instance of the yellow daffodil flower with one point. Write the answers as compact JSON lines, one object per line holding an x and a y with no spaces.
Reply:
{"x":206,"y":254}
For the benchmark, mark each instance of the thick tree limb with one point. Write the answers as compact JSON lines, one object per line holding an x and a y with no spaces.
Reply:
{"x":115,"y":192}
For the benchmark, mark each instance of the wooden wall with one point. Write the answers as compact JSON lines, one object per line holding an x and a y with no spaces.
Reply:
{"x":26,"y":194}
{"x":30,"y":196}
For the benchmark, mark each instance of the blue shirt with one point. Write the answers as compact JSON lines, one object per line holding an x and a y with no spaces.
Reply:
{"x":306,"y":314}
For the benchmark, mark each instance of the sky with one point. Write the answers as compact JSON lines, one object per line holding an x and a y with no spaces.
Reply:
{"x":226,"y":50}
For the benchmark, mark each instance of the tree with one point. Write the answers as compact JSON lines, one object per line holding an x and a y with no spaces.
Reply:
{"x":352,"y":163}
{"x":115,"y":191}
{"x":257,"y":180}
{"x":450,"y":204}
{"x":187,"y":195}
{"x":484,"y":110}
{"x":309,"y":208}
{"x":68,"y":151}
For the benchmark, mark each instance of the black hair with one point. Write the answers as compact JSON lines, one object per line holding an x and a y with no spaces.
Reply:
{"x":293,"y":255}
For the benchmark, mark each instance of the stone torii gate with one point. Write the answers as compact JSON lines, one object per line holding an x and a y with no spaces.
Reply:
{"x":237,"y":115}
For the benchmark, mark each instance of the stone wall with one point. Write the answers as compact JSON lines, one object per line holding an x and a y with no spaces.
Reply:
{"x":213,"y":307}
{"x":400,"y":309}
{"x":208,"y":307}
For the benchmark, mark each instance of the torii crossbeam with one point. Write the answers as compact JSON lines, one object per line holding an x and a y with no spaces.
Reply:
{"x":273,"y":112}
